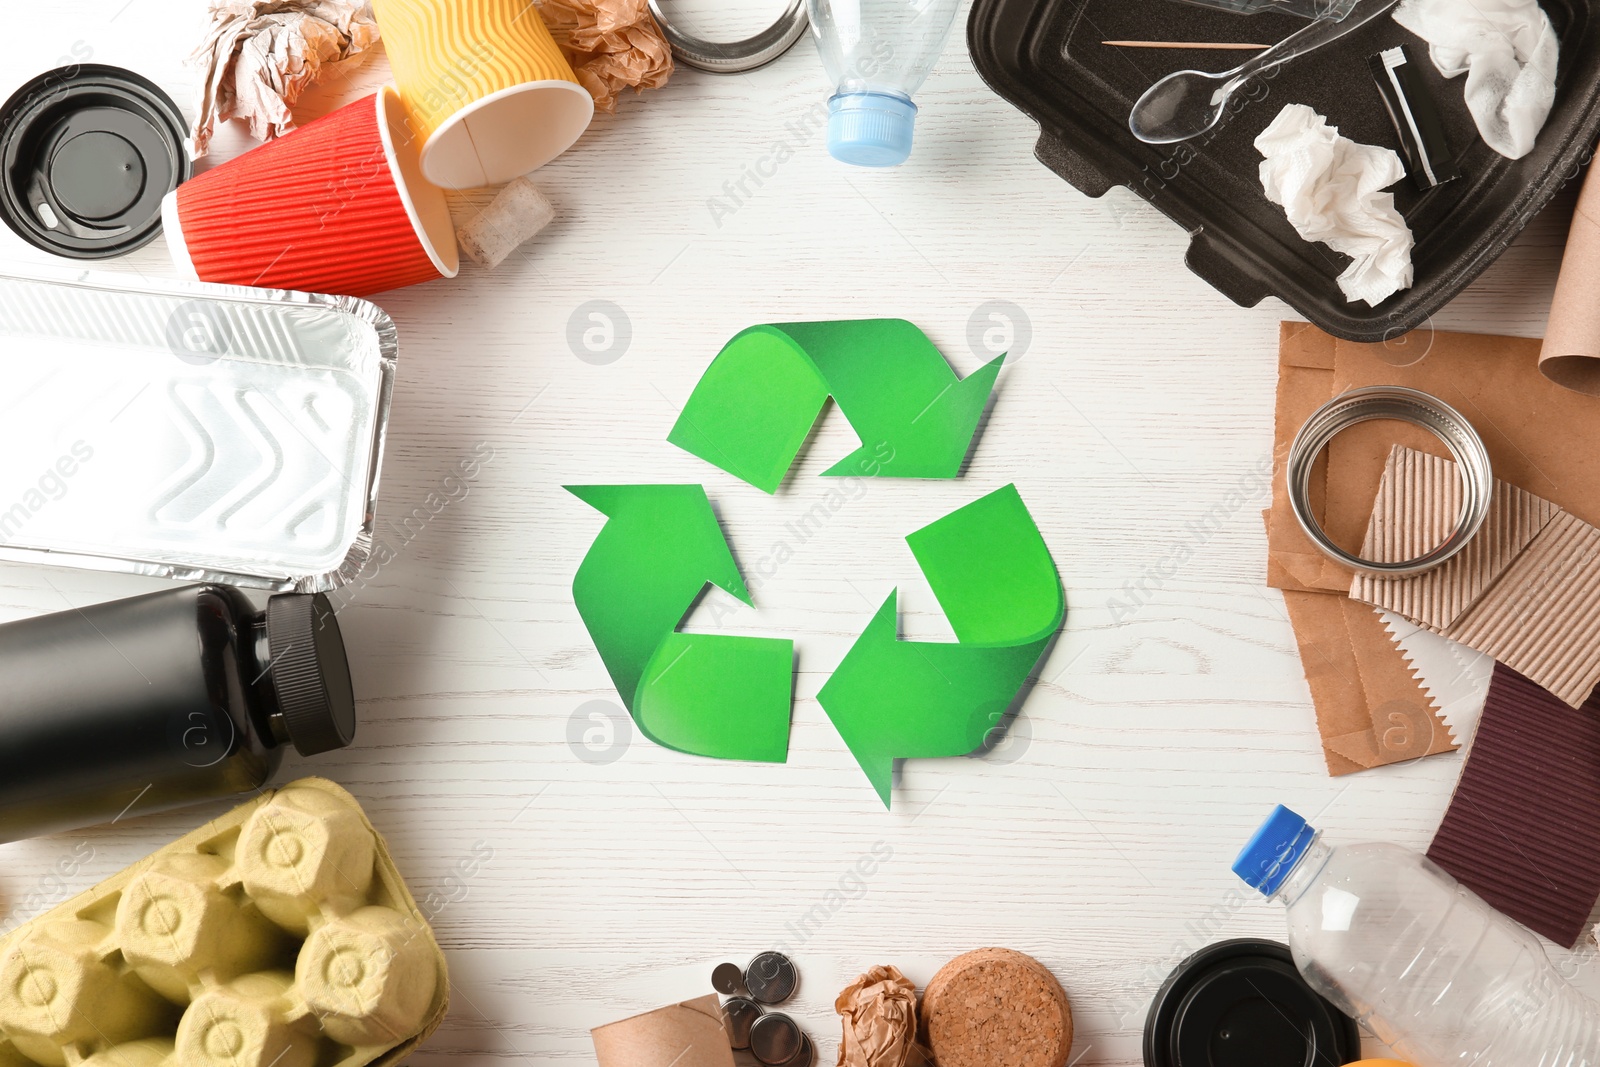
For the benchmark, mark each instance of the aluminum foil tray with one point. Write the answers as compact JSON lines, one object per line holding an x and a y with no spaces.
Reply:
{"x":190,"y":431}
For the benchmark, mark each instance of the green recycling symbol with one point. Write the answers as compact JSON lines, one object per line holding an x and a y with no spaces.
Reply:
{"x":730,"y":697}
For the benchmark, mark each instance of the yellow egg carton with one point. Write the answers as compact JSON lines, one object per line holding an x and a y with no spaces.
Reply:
{"x":279,"y":935}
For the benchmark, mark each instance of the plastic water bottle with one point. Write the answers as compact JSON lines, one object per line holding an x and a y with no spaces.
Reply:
{"x":878,"y":53}
{"x":1417,"y":958}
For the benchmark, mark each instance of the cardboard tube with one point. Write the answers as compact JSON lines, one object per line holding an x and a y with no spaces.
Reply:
{"x":1571,"y":353}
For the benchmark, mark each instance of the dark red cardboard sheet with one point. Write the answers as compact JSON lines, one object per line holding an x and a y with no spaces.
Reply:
{"x":1047,"y":58}
{"x":1523,"y":829}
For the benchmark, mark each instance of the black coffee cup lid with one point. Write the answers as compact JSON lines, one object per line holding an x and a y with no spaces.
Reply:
{"x":86,"y":154}
{"x":1243,"y":1004}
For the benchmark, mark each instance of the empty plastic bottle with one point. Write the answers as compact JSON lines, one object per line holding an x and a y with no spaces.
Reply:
{"x":878,"y":53}
{"x":1416,"y":957}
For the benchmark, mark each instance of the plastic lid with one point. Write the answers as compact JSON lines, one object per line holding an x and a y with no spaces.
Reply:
{"x":310,"y":673}
{"x":870,"y":129}
{"x":1242,"y":1004}
{"x":86,"y":154}
{"x":1269,"y":856}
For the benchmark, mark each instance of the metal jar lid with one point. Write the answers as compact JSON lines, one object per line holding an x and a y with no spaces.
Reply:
{"x":86,"y":154}
{"x":1242,"y":1003}
{"x":1404,"y":405}
{"x":734,"y":57}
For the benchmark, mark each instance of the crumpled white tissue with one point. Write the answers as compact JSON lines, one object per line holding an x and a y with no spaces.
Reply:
{"x":1508,"y":51}
{"x":260,"y":55}
{"x":1329,"y":186}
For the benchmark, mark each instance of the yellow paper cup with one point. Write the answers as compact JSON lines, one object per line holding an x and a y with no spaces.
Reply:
{"x":487,"y":91}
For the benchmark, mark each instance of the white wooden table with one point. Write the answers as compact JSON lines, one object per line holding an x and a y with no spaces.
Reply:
{"x":572,"y":890}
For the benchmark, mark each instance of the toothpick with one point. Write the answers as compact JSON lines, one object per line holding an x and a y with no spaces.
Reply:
{"x":1216,"y":46}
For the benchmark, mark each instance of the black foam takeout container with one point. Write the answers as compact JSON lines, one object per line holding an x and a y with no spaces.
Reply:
{"x":1046,"y":57}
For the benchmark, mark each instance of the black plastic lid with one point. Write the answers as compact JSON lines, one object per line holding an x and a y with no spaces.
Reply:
{"x":86,"y":154}
{"x":1243,"y":1004}
{"x":310,"y":673}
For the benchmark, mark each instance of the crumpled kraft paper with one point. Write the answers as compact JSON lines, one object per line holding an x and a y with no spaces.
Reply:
{"x":879,"y":1013}
{"x":260,"y":55}
{"x":1330,"y":187}
{"x":611,"y":44}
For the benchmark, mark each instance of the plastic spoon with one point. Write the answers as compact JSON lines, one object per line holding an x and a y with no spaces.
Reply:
{"x":1188,"y":103}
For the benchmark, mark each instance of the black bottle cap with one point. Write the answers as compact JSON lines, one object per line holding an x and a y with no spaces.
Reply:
{"x":1242,"y":1003}
{"x":86,"y":154}
{"x":771,"y":978}
{"x":310,"y":673}
{"x":777,"y":1041}
{"x":739,"y":1015}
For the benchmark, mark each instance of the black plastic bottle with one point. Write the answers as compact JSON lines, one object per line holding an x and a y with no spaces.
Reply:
{"x":157,"y":701}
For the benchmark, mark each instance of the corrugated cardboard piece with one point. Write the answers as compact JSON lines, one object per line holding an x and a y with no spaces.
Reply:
{"x":680,"y":1035}
{"x":1571,"y":353}
{"x":1539,"y":436}
{"x":1523,"y":829}
{"x":1526,"y":590}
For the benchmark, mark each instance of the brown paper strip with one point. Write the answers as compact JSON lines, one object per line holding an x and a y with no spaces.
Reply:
{"x":1523,"y":829}
{"x":1371,"y":709}
{"x":680,"y":1035}
{"x":1526,"y":591}
{"x":1571,"y":352}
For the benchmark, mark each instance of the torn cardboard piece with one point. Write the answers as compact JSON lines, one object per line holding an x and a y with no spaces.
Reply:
{"x":689,"y":1034}
{"x":1526,"y":590}
{"x":1419,"y":498}
{"x":1523,"y":829}
{"x":1571,"y":352}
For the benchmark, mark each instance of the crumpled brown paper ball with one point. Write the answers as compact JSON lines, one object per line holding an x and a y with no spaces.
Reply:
{"x":260,"y":55}
{"x":611,"y":44}
{"x":879,"y":1012}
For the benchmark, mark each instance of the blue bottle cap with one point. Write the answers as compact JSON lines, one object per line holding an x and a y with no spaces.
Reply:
{"x":1270,"y":855}
{"x":869,"y":129}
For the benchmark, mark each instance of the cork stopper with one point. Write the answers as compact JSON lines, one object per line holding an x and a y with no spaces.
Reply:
{"x":997,"y":1008}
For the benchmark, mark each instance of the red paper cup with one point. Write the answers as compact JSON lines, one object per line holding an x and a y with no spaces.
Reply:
{"x":338,"y":206}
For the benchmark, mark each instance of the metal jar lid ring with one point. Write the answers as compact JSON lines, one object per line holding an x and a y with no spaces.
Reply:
{"x":1404,"y":405}
{"x":734,"y":57}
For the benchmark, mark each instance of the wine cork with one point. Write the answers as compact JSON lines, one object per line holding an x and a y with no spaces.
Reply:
{"x":997,"y":1008}
{"x":517,"y":212}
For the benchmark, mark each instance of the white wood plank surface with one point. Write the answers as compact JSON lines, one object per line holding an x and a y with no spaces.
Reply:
{"x":1098,"y":839}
